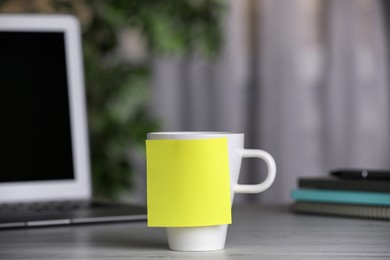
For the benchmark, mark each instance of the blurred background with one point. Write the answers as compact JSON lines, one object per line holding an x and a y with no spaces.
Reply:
{"x":306,"y":80}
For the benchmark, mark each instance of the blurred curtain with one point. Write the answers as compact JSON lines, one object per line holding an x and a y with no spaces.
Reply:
{"x":306,"y":80}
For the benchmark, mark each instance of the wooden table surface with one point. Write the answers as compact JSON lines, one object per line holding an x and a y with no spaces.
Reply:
{"x":257,"y":232}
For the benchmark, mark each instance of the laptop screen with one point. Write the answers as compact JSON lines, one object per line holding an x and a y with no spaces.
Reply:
{"x":35,"y":128}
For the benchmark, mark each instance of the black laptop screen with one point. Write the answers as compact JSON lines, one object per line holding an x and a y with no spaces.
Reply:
{"x":34,"y":111}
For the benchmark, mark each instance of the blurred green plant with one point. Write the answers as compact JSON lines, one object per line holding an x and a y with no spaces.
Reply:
{"x":118,"y":88}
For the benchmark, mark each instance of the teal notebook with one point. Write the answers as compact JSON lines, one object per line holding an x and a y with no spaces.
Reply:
{"x":337,"y":196}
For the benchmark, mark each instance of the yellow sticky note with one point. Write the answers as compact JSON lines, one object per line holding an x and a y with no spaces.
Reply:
{"x":188,"y":182}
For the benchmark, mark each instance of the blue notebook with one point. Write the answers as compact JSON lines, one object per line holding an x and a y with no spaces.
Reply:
{"x":345,"y":197}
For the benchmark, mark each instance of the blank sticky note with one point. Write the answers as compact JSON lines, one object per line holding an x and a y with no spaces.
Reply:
{"x":188,"y":182}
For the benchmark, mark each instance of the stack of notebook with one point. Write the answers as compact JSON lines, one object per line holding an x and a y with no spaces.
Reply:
{"x":348,"y":196}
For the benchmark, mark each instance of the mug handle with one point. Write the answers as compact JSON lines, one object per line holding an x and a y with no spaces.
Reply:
{"x":271,"y":166}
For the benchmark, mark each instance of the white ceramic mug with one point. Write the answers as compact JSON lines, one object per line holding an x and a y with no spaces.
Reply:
{"x":210,"y":238}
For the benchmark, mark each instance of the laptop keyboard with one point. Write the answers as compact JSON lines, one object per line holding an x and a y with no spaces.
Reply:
{"x":16,"y":215}
{"x":55,"y":206}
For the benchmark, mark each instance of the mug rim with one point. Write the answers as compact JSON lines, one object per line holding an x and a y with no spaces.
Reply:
{"x":194,"y":133}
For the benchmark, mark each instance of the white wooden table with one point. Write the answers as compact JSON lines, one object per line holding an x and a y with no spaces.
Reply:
{"x":257,"y":232}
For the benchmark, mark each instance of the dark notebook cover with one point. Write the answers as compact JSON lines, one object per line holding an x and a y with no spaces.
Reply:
{"x":343,"y":184}
{"x":342,"y":210}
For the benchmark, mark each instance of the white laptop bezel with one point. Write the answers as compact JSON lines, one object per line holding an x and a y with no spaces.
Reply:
{"x":80,"y":187}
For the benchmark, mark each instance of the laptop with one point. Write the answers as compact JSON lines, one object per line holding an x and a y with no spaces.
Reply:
{"x":44,"y":156}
